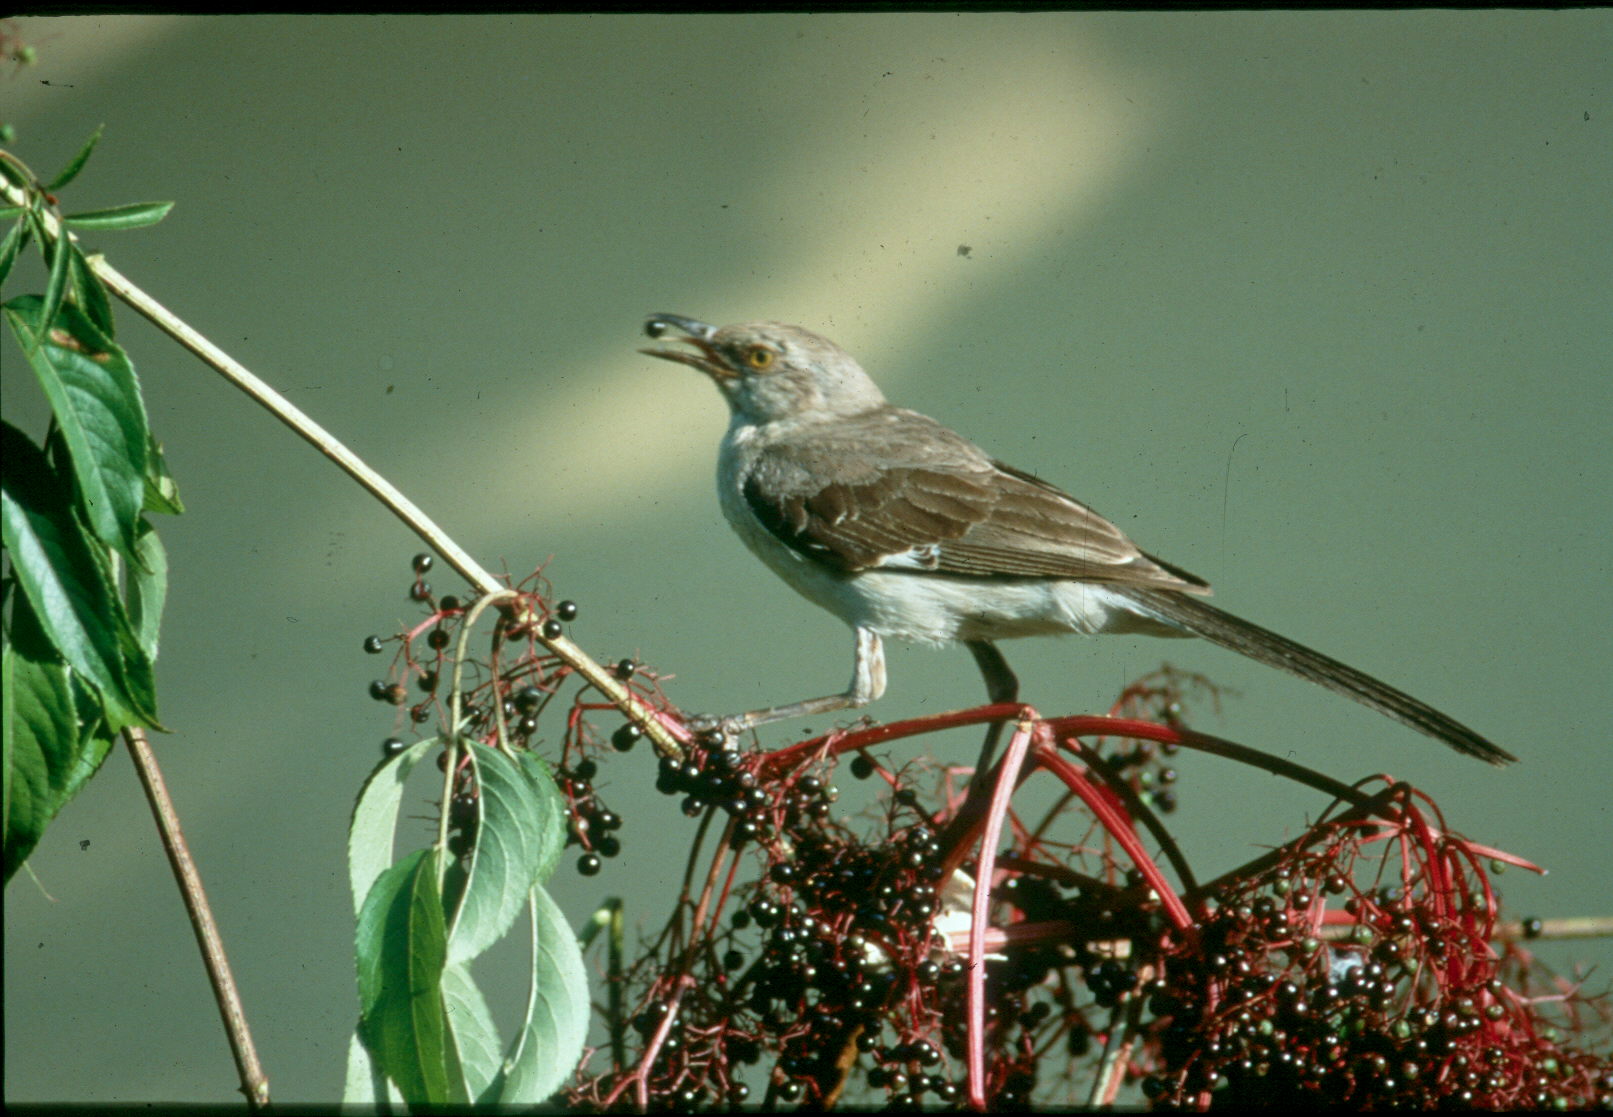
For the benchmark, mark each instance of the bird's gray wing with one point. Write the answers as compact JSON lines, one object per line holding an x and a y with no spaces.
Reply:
{"x":927,"y":500}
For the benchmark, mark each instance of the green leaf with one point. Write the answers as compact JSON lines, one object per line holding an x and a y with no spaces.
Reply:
{"x":375,"y":816}
{"x":161,"y":493}
{"x":59,"y":256}
{"x":41,"y":735}
{"x":134,"y":215}
{"x":402,"y":946}
{"x":66,"y":581}
{"x":148,"y":589}
{"x":70,"y":172}
{"x":95,"y":398}
{"x":364,"y":1083}
{"x":52,"y":746}
{"x":519,"y":835}
{"x":10,"y":723}
{"x":556,"y":1025}
{"x":95,"y":738}
{"x":552,"y":820}
{"x":16,"y":239}
{"x":90,"y":293}
{"x":475,"y":1034}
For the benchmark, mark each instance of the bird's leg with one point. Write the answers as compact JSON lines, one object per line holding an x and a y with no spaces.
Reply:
{"x":867,"y":684}
{"x":1001,"y":686}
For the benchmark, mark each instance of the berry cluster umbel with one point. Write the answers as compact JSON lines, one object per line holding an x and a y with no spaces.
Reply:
{"x":1404,"y":1003}
{"x":809,"y":960}
{"x":505,"y":700}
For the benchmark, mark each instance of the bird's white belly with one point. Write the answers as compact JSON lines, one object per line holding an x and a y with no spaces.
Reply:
{"x":937,"y":609}
{"x":932,"y":608}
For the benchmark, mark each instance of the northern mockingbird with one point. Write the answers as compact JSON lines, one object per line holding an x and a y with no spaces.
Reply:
{"x":903,"y":528}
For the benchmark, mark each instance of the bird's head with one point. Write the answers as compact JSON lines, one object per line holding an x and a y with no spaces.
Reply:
{"x":769,"y":371}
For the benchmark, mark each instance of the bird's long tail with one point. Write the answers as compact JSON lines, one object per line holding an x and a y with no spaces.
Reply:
{"x":1202,"y":619}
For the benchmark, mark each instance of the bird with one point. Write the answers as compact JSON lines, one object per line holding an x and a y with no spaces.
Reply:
{"x":906,"y":530}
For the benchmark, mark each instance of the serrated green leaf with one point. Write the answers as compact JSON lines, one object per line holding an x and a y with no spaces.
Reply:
{"x":70,"y":172}
{"x":375,"y":817}
{"x":475,"y":1034}
{"x":95,"y":738}
{"x":518,"y":836}
{"x":134,"y":215}
{"x":64,"y":577}
{"x":53,"y":740}
{"x":401,"y":948}
{"x":89,"y":293}
{"x":161,"y":493}
{"x":16,"y":239}
{"x":556,"y":1025}
{"x":148,"y":589}
{"x":95,"y":398}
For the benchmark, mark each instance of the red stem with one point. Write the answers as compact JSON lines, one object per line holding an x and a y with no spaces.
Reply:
{"x":1013,"y":760}
{"x":1119,"y":826}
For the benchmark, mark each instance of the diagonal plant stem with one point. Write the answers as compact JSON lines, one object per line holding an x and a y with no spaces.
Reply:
{"x":254,"y":1084}
{"x":401,"y":506}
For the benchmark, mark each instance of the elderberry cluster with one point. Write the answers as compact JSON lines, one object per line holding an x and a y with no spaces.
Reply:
{"x":868,"y":890}
{"x":717,"y":776}
{"x":426,"y":678}
{"x":1399,"y":1014}
{"x":845,"y":936}
{"x":592,"y":825}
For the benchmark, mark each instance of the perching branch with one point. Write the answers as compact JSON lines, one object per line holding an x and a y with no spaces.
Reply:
{"x":666,"y":743}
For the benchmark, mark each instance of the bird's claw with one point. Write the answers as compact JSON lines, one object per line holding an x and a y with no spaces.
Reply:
{"x":727,"y":728}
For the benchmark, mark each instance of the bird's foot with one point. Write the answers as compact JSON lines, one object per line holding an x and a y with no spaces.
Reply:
{"x":725,"y":729}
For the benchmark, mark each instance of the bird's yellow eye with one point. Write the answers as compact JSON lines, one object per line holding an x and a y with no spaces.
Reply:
{"x":759,"y":357}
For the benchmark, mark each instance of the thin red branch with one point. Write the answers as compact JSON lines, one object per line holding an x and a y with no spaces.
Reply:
{"x":1101,"y":804}
{"x":1007,"y":772}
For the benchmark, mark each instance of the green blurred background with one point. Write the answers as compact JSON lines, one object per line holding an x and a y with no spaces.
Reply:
{"x":1314,"y":305}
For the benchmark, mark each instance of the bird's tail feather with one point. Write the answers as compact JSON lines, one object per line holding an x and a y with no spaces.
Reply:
{"x":1203,"y":619}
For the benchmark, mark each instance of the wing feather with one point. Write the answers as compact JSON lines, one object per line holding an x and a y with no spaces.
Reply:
{"x":942,"y":507}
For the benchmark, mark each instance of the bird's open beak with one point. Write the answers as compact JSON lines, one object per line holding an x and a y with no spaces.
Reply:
{"x":705,"y":357}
